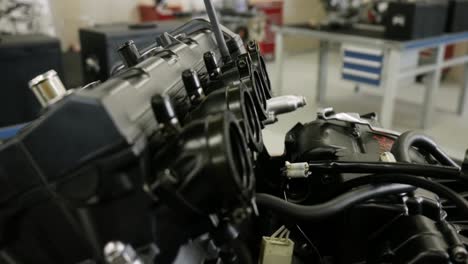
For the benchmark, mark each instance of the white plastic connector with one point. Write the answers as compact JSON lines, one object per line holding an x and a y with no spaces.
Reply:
{"x":297,"y":170}
{"x":276,"y":250}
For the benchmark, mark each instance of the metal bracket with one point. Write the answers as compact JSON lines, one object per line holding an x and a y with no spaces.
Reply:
{"x":354,"y":118}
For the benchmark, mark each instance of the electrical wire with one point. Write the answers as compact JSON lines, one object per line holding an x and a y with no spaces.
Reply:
{"x":314,"y":248}
{"x":277,"y":232}
{"x":283,"y":233}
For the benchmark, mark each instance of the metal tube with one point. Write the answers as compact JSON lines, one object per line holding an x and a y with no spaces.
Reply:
{"x":285,"y":104}
{"x":210,"y":10}
{"x":427,"y":170}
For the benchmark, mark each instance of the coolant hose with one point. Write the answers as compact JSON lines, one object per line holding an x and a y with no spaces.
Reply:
{"x":401,"y":148}
{"x":423,"y":183}
{"x":331,"y":208}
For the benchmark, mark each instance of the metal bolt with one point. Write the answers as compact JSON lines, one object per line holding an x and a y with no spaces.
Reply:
{"x":242,"y":64}
{"x":252,"y":46}
{"x":327,"y":179}
{"x":459,"y":254}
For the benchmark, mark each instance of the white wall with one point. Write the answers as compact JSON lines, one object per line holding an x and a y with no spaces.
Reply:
{"x":297,"y":11}
{"x":70,"y":15}
{"x":302,"y":11}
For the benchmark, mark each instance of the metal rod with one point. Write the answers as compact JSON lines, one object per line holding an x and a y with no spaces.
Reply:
{"x":210,"y":10}
{"x":434,"y":171}
{"x":432,"y":67}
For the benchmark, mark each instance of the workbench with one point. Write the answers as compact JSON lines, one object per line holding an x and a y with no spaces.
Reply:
{"x":392,"y":71}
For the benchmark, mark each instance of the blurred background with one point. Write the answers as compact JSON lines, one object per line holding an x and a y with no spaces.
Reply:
{"x":79,"y":40}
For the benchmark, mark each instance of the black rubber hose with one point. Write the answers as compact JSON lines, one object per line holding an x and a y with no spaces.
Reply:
{"x":401,"y":148}
{"x":331,"y":208}
{"x":423,"y":183}
{"x":433,"y":171}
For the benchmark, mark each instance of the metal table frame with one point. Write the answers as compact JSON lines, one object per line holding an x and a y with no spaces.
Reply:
{"x":392,"y":72}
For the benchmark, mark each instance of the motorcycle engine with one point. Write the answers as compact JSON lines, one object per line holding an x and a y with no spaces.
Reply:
{"x":165,"y":163}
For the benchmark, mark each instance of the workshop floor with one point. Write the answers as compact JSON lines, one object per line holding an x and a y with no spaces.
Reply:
{"x":448,"y":129}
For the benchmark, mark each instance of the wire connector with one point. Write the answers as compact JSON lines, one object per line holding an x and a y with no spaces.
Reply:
{"x":297,"y":170}
{"x":277,"y":249}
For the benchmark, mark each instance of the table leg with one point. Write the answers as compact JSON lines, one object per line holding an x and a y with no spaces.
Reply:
{"x":463,"y":103}
{"x":390,"y":86}
{"x":432,"y":87}
{"x":279,"y":59}
{"x":322,"y":76}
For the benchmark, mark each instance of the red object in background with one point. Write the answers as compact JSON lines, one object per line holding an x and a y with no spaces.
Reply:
{"x":150,"y":13}
{"x":274,"y":13}
{"x":449,"y":54}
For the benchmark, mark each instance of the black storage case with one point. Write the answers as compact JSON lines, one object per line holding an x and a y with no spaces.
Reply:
{"x":457,"y":20}
{"x":407,"y":21}
{"x":23,"y":57}
{"x":100,"y":43}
